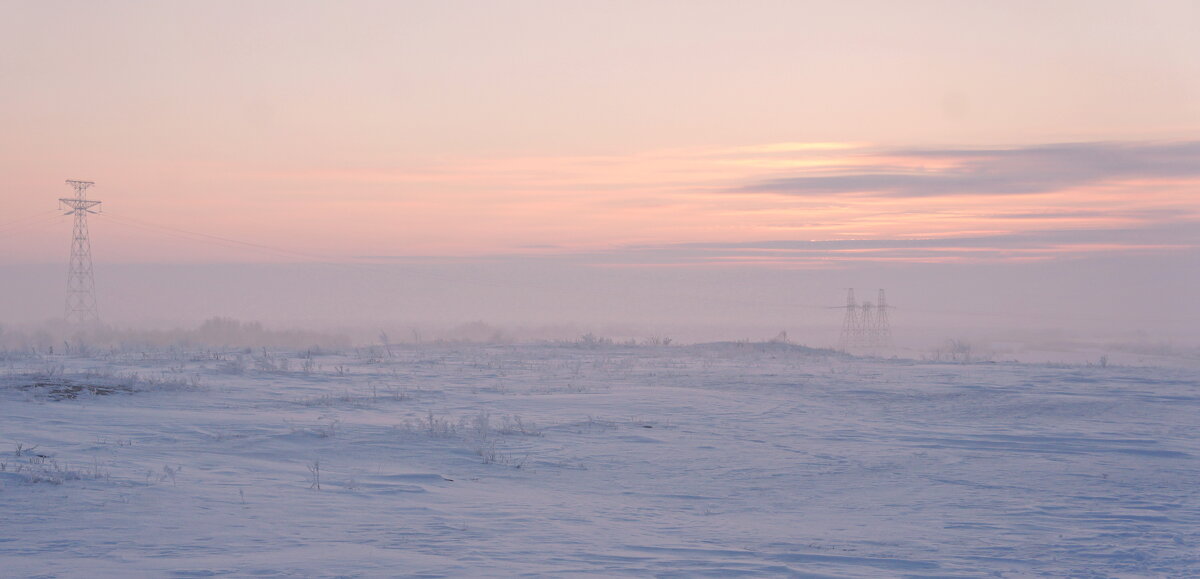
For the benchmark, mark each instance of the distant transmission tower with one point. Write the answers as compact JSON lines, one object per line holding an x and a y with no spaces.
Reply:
{"x":865,"y":325}
{"x":850,"y":325}
{"x":81,"y":288}
{"x":883,"y":328}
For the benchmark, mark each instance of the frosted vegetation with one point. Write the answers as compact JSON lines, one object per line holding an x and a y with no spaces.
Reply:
{"x":592,"y":457}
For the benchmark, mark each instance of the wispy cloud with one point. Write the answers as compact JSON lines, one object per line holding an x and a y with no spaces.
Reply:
{"x":677,"y":207}
{"x":1037,"y":245}
{"x":1014,"y":171}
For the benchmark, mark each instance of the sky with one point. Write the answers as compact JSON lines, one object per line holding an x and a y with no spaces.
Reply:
{"x":1032,"y":163}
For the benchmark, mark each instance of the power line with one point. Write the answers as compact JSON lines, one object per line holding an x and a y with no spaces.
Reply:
{"x":344,"y":262}
{"x":366,"y":264}
{"x":22,"y":223}
{"x":186,"y":234}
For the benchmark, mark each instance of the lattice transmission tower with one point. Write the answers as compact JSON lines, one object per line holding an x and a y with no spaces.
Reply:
{"x":81,"y":287}
{"x":865,"y":325}
{"x":850,"y":325}
{"x":883,"y":327}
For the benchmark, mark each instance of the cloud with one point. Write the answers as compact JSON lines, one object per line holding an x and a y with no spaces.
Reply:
{"x":1031,"y":245}
{"x":873,"y":202}
{"x":1016,"y":171}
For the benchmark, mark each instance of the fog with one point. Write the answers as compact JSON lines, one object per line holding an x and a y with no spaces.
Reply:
{"x":1143,"y":301}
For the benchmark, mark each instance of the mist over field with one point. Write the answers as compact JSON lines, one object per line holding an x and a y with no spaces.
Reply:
{"x":1092,"y":302}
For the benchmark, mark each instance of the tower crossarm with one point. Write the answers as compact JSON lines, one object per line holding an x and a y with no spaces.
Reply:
{"x":78,"y":205}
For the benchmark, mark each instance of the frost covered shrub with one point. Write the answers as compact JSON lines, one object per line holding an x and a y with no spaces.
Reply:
{"x":476,"y":427}
{"x":41,"y":468}
{"x":322,"y":430}
{"x":590,"y":340}
{"x":477,"y":431}
{"x":513,"y":424}
{"x":235,"y":366}
{"x":432,"y":426}
{"x":55,"y":384}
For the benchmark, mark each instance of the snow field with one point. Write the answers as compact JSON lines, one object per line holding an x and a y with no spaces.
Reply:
{"x":718,"y":460}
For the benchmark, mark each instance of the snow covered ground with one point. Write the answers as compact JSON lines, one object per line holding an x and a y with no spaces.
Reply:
{"x":719,"y":460}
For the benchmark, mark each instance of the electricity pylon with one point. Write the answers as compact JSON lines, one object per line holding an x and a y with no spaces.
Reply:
{"x":850,"y":325}
{"x":81,"y":287}
{"x":865,"y":325}
{"x":883,"y":328}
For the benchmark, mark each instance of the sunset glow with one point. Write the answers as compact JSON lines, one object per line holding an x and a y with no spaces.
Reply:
{"x":563,"y":204}
{"x":599,"y":136}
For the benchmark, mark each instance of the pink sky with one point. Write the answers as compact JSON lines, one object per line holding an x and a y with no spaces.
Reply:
{"x":535,"y":205}
{"x":669,"y":134}
{"x":435,"y":128}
